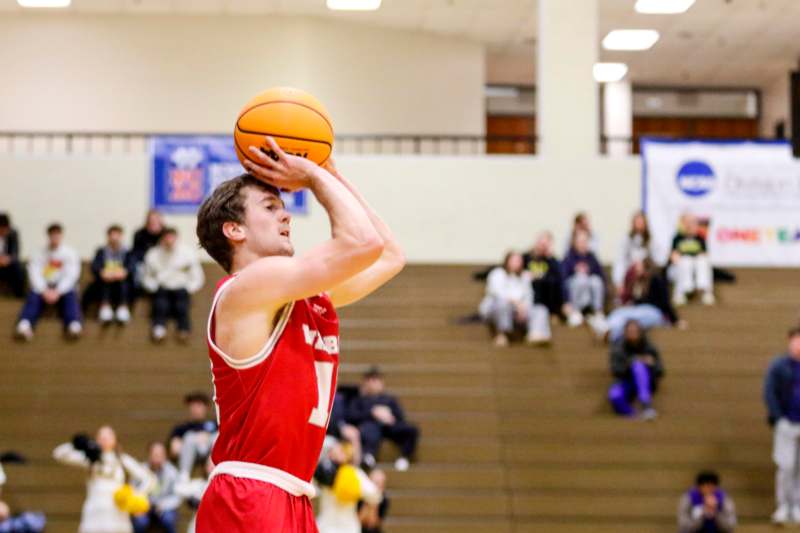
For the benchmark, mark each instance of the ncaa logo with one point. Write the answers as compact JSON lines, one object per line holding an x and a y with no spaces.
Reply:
{"x":696,"y":178}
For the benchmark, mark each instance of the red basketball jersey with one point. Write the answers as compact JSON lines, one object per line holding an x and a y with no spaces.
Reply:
{"x":273,"y":407}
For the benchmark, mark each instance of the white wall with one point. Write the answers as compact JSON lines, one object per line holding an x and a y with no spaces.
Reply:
{"x":775,"y":106}
{"x":444,"y":209}
{"x":193,"y":74}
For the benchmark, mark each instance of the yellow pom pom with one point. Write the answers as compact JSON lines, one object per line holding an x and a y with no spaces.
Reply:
{"x":122,"y":495}
{"x":138,"y":504}
{"x":346,"y":486}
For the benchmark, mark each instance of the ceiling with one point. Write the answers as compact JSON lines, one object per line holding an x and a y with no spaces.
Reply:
{"x":717,"y":42}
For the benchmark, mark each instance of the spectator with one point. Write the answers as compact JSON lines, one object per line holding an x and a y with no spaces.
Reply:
{"x":370,"y":514}
{"x":147,"y":236}
{"x":636,"y":364}
{"x":509,"y":301}
{"x":782,"y":396}
{"x":191,"y":442}
{"x":635,"y":248}
{"x":164,"y":502}
{"x":343,"y":485}
{"x":109,"y":469}
{"x":26,"y":522}
{"x":545,"y":273}
{"x":585,"y":283}
{"x":172,"y":273}
{"x":645,"y":299}
{"x":706,"y":508}
{"x":339,"y":429}
{"x":111,"y":267}
{"x":378,"y":415}
{"x":192,"y":492}
{"x":11,"y":271}
{"x":690,"y":264}
{"x":581,"y":223}
{"x":53,"y":276}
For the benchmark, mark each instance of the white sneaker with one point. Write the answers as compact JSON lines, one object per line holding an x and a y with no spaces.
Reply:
{"x":648,"y":414}
{"x":402,"y":464}
{"x":158,"y":333}
{"x":599,"y":325}
{"x":106,"y":314}
{"x":123,"y":314}
{"x":679,"y":299}
{"x":24,"y":330}
{"x":74,"y":329}
{"x":796,"y":514}
{"x":537,"y":339}
{"x":575,"y":319}
{"x":781,"y":515}
{"x":708,"y":298}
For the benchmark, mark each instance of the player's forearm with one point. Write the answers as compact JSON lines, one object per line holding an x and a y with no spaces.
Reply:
{"x":350,"y":223}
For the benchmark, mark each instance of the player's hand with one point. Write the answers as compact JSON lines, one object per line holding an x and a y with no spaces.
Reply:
{"x":276,"y":167}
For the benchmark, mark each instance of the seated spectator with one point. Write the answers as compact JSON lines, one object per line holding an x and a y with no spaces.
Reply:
{"x":192,"y":492}
{"x":706,"y":508}
{"x":690,"y":264}
{"x":191,"y":442}
{"x":635,"y":247}
{"x":164,"y":502}
{"x":147,"y":237}
{"x":109,"y":469}
{"x":378,"y":416}
{"x":782,"y":397}
{"x":370,"y":514}
{"x":645,"y":299}
{"x":343,"y":485}
{"x":339,"y":429}
{"x":545,"y":273}
{"x":53,"y":276}
{"x":25,"y":522}
{"x":11,"y":272}
{"x":585,"y":283}
{"x":172,"y":273}
{"x":581,"y":223}
{"x":112,"y":266}
{"x":636,"y":364}
{"x":509,"y":301}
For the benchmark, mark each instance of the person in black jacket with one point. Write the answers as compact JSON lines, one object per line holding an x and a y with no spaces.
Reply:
{"x":645,"y":299}
{"x":636,"y":364}
{"x":782,"y":397}
{"x":11,"y":271}
{"x":379,"y":416}
{"x":112,"y":267}
{"x":545,"y":271}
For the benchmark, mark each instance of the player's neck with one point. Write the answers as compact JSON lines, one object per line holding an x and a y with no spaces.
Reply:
{"x":242,"y":259}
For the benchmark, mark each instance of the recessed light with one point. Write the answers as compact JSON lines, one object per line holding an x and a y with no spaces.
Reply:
{"x":630,"y":39}
{"x":663,"y":7}
{"x":44,"y":3}
{"x":608,"y":72}
{"x":354,"y":5}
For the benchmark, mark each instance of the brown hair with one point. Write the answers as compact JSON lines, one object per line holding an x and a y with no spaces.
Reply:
{"x":225,"y":204}
{"x":646,"y":234}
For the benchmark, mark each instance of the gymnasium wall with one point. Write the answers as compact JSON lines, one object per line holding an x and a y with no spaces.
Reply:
{"x":193,"y":73}
{"x":444,"y":209}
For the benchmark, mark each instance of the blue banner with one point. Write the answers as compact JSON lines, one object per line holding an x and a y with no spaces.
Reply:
{"x":186,"y":168}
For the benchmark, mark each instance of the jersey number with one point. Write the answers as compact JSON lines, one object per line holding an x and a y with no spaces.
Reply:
{"x":319,"y":415}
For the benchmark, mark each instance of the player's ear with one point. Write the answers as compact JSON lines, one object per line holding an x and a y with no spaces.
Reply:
{"x":233,"y":231}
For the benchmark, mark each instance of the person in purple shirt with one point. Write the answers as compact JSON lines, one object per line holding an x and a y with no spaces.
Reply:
{"x":706,"y":508}
{"x":585,"y":284}
{"x":782,"y":397}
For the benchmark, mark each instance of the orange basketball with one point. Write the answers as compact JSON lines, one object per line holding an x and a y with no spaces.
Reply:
{"x":297,"y":121}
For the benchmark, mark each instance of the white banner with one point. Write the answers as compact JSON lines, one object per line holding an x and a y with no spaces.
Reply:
{"x":747,"y":191}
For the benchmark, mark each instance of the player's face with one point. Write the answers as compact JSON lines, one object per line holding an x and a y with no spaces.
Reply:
{"x":267,"y":224}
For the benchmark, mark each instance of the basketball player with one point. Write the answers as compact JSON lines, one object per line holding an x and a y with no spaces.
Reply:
{"x":273,"y":336}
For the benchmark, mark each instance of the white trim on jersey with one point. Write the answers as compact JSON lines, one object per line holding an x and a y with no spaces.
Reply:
{"x":263,"y":353}
{"x":274,"y":476}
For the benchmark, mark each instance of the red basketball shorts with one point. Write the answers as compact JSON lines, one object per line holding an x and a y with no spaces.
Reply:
{"x":242,"y":505}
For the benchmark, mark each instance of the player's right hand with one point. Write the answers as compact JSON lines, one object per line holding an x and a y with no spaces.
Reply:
{"x":284,"y":171}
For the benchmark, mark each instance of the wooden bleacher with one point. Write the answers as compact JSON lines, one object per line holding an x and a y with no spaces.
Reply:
{"x":513,"y":440}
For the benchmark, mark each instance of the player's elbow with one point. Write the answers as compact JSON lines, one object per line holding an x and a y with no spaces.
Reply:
{"x":371,"y":247}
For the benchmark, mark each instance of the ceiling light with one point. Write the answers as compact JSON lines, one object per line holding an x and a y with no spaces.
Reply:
{"x":608,"y":72}
{"x":630,"y":39}
{"x":663,"y":7}
{"x":354,"y":5}
{"x":44,"y":3}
